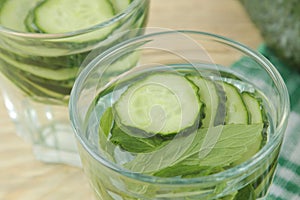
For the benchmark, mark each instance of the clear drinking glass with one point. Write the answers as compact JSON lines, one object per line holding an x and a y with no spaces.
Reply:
{"x":101,"y":84}
{"x":38,"y":71}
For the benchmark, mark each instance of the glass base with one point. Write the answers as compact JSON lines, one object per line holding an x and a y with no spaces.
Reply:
{"x":57,"y":144}
{"x":49,"y":155}
{"x":47,"y":127}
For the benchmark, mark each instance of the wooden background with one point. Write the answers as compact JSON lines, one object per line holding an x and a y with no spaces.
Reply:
{"x":24,"y":178}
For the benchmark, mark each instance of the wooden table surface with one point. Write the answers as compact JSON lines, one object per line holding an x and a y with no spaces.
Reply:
{"x":24,"y":178}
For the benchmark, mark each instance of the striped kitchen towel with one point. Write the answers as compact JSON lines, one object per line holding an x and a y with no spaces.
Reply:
{"x":286,"y":184}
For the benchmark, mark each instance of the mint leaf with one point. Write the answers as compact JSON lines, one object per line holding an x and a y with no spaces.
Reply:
{"x":212,"y":147}
{"x":233,"y":143}
{"x":106,"y":121}
{"x":163,"y":157}
{"x":247,"y":192}
{"x":134,"y":144}
{"x":105,"y":125}
{"x":187,"y":171}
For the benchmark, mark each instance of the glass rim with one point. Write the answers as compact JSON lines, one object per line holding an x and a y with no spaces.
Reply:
{"x":250,"y":164}
{"x":115,"y":18}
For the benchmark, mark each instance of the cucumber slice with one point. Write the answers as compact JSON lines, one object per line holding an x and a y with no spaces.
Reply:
{"x":163,"y":103}
{"x":61,"y":16}
{"x":255,"y":114}
{"x":36,"y":91}
{"x":40,"y":71}
{"x":254,"y":107}
{"x":213,"y":97}
{"x":236,"y":111}
{"x":14,"y":12}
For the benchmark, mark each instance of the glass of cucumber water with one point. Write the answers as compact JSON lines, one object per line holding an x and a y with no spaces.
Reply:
{"x":42,"y":45}
{"x":198,"y":116}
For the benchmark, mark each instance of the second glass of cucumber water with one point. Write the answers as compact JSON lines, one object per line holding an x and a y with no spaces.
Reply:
{"x":42,"y":45}
{"x":198,"y":116}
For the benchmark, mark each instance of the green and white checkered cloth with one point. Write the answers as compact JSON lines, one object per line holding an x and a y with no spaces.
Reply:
{"x":286,"y":184}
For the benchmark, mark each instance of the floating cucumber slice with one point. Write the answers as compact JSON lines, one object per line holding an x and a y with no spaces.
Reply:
{"x":254,"y":108}
{"x":163,"y":103}
{"x":236,"y":111}
{"x":40,"y":71}
{"x":60,"y":16}
{"x":212,"y":95}
{"x":14,"y":12}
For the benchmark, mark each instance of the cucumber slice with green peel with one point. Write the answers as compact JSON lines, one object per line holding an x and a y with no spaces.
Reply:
{"x":236,"y":110}
{"x":43,"y":72}
{"x":220,"y":117}
{"x":163,"y":103}
{"x":14,"y":12}
{"x":214,"y":99}
{"x":61,"y":16}
{"x":36,"y":91}
{"x":254,"y":108}
{"x":35,"y":86}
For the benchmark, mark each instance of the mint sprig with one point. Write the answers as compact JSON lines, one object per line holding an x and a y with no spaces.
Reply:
{"x":205,"y":151}
{"x":135,"y":144}
{"x":232,"y":143}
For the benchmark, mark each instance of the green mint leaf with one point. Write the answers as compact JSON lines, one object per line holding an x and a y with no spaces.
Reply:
{"x":187,"y":171}
{"x":246,"y":193}
{"x":233,"y":143}
{"x":134,"y":144}
{"x":106,"y":121}
{"x":212,"y":147}
{"x":163,"y":157}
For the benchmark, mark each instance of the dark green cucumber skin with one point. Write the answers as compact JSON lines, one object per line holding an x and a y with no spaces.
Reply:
{"x":53,"y":54}
{"x":220,"y":118}
{"x":31,"y":19}
{"x":221,"y":109}
{"x":242,"y":119}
